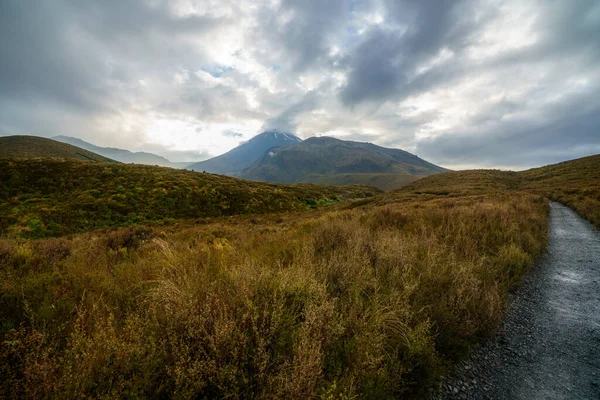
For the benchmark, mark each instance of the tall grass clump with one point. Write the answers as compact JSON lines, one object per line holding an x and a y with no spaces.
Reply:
{"x":371,"y":302}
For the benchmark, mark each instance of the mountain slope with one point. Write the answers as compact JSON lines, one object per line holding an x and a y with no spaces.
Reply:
{"x":122,"y":155}
{"x":234,"y":161}
{"x":34,"y":146}
{"x":318,"y":158}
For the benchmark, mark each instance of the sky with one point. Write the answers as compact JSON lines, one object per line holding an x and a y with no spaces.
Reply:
{"x":463,"y":83}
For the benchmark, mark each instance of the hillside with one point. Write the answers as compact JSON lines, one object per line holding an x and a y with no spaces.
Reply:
{"x":575,"y":183}
{"x":41,"y":198}
{"x":371,"y":302}
{"x":124,"y":156}
{"x":34,"y":146}
{"x":234,"y":161}
{"x":384,"y":182}
{"x":327,"y":157}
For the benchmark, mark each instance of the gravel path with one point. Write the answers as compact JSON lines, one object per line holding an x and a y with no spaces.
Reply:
{"x":549,"y":345}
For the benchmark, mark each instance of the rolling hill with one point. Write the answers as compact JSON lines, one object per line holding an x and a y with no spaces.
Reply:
{"x":575,"y":183}
{"x":328,"y":160}
{"x":34,"y":146}
{"x":124,"y":156}
{"x":234,"y":161}
{"x":49,"y":197}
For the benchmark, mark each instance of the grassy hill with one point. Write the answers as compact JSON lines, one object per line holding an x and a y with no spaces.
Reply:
{"x":44,"y":197}
{"x":326,"y":158}
{"x":370,"y":302}
{"x":575,"y":183}
{"x":33,"y":146}
{"x":384,"y":182}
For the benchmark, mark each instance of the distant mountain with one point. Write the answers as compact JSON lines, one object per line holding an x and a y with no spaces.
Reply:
{"x":234,"y":161}
{"x":34,"y":146}
{"x":328,"y":160}
{"x":124,"y":156}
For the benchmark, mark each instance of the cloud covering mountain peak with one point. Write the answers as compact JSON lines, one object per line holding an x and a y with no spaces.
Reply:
{"x":453,"y":81}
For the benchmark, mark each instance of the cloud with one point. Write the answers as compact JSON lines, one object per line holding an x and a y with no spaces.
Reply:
{"x":462,"y":83}
{"x":235,"y":135}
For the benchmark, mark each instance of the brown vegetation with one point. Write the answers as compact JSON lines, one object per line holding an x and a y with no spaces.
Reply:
{"x":369,"y":302}
{"x":574,"y":183}
{"x":49,"y":197}
{"x":371,"y":299}
{"x":384,"y":182}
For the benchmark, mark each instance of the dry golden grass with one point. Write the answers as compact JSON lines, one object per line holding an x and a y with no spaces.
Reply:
{"x":372,"y":299}
{"x":574,"y":183}
{"x":370,"y":302}
{"x":367,"y":300}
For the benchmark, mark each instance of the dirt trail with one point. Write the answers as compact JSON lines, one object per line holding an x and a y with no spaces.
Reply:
{"x":549,"y":345}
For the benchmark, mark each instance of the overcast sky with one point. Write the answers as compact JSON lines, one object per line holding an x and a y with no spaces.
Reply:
{"x":506,"y":84}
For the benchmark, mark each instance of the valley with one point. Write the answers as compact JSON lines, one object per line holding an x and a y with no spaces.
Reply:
{"x":160,"y":282}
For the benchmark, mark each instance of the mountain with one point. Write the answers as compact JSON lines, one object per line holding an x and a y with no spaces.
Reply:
{"x":34,"y":146}
{"x":328,"y":160}
{"x":234,"y":161}
{"x":124,"y":156}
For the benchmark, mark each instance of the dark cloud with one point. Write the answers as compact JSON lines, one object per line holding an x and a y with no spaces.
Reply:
{"x":302,"y":32}
{"x":287,"y":121}
{"x":563,"y":132}
{"x":43,"y":60}
{"x":462,"y":82}
{"x":385,"y":64}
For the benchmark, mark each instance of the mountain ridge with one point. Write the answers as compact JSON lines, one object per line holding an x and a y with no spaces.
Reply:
{"x":122,"y":155}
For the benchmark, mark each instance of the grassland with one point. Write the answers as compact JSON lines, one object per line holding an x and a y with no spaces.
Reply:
{"x":370,"y":302}
{"x":371,"y":299}
{"x":52,"y":197}
{"x":574,"y":183}
{"x":385,"y":182}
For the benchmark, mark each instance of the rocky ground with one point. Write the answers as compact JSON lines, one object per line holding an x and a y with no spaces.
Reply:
{"x":549,"y":345}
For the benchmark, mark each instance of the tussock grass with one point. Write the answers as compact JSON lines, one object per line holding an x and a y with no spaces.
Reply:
{"x":369,"y":302}
{"x":371,"y":299}
{"x":574,"y":183}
